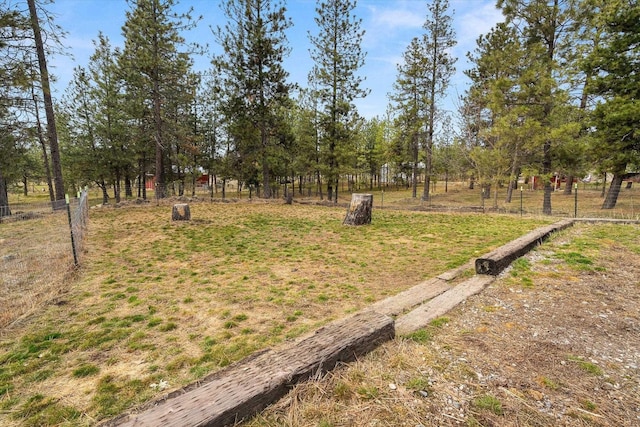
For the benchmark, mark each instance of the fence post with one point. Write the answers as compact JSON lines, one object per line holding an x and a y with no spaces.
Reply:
{"x":575,"y":203}
{"x":73,"y":243}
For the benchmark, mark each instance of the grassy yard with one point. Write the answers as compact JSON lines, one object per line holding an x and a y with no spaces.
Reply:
{"x":159,"y":304}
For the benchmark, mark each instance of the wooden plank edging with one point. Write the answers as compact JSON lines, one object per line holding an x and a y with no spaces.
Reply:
{"x":497,"y":260}
{"x":440,"y":305}
{"x":248,"y":386}
{"x":405,"y":300}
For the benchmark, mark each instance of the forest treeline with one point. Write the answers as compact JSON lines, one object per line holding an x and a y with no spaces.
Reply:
{"x":554,"y":91}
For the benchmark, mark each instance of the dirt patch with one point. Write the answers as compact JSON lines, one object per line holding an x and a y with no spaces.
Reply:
{"x":554,"y":341}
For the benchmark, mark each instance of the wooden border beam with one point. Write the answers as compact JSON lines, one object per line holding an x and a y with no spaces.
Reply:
{"x":247,"y":387}
{"x":494,"y":262}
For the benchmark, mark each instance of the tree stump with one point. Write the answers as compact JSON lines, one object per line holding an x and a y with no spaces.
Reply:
{"x":181,"y":212}
{"x":359,"y":212}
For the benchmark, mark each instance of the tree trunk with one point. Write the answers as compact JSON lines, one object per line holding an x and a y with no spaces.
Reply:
{"x":52,"y":132}
{"x":43,"y":145}
{"x":116,"y":188}
{"x":614,"y":190}
{"x":128,"y":193}
{"x":546,"y":170}
{"x":4,"y":198}
{"x":446,"y":181}
{"x":266,"y":176}
{"x":319,"y":179}
{"x":568,"y":188}
{"x":105,"y":194}
{"x":359,"y":212}
{"x":181,"y":212}
{"x":414,"y":168}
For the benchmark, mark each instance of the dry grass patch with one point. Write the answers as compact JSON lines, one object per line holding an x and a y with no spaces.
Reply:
{"x":35,"y":260}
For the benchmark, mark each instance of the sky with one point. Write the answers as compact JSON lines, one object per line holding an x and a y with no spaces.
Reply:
{"x":389,"y":26}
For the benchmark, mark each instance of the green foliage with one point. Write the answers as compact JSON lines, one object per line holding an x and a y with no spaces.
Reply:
{"x":615,"y":80}
{"x":421,"y":336}
{"x":40,"y":410}
{"x":418,"y":383}
{"x":169,"y":326}
{"x":439,"y":322}
{"x":368,"y":392}
{"x":159,"y":85}
{"x":588,"y":367}
{"x":337,"y":55}
{"x":85,"y":370}
{"x":255,"y":84}
{"x":574,"y":259}
{"x":488,"y":403}
{"x":114,"y":395}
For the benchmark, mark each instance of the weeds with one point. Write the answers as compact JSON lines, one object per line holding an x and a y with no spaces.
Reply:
{"x":488,"y":403}
{"x":586,"y":366}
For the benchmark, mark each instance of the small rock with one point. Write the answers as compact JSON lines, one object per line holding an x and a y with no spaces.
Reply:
{"x":392,"y":386}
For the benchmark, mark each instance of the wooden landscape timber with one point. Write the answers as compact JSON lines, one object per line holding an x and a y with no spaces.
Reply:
{"x":245,"y":388}
{"x":497,"y":260}
{"x":440,"y":305}
{"x":241,"y":390}
{"x":399,"y":303}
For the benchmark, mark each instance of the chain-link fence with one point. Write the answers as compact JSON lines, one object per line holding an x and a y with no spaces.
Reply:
{"x":40,"y":245}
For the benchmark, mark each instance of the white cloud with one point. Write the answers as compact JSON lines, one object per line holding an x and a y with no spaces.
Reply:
{"x":476,"y":20}
{"x":391,"y":19}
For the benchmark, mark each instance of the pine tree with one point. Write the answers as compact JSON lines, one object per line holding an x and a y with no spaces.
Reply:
{"x":110,"y":122}
{"x":155,"y":71}
{"x":52,"y":134}
{"x":439,"y":39}
{"x":615,"y":67}
{"x":338,"y":55}
{"x":411,"y":102}
{"x":505,"y":90}
{"x":544,"y":26}
{"x":255,"y":45}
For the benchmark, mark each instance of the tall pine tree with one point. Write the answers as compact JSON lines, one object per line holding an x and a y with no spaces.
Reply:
{"x":440,"y":65}
{"x":255,"y":45}
{"x":338,"y":55}
{"x":544,"y":26}
{"x":411,"y":103}
{"x":155,"y":72}
{"x":617,"y":117}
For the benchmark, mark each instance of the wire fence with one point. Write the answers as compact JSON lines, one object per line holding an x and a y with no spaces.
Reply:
{"x":584,"y":201}
{"x":41,"y":244}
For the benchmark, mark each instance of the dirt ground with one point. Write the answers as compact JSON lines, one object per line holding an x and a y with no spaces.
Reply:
{"x":554,"y":341}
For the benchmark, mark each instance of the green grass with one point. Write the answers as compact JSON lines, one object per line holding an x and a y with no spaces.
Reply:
{"x":425,"y":335}
{"x":586,"y":366}
{"x":488,"y":403}
{"x":85,"y":370}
